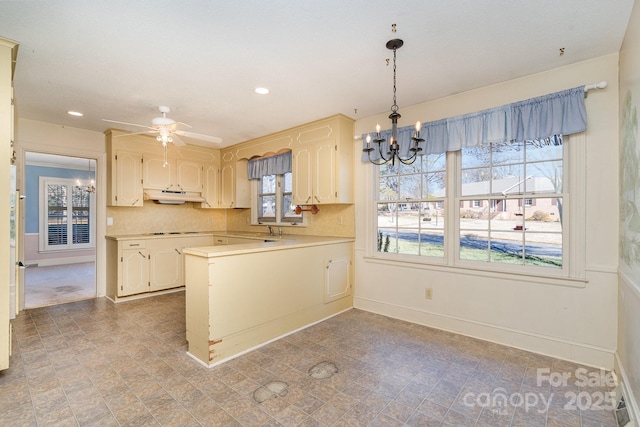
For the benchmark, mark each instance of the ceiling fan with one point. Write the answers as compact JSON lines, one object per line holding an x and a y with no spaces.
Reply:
{"x":166,"y":129}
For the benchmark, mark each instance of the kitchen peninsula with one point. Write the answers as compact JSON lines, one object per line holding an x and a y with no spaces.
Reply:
{"x":239,"y":296}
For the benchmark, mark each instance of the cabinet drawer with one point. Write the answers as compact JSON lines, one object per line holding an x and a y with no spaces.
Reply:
{"x":133,"y":244}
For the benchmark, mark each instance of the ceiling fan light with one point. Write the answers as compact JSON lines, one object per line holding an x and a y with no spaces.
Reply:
{"x":261,"y":91}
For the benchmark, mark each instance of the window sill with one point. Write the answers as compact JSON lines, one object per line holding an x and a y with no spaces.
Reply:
{"x":573,"y":282}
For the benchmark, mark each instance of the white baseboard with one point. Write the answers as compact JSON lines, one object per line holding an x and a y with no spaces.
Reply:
{"x":629,"y":398}
{"x":61,"y":261}
{"x":550,"y":346}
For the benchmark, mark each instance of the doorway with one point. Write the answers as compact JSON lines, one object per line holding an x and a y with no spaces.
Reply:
{"x":59,"y":229}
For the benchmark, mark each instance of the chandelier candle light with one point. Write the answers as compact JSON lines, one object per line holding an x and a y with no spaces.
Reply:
{"x":394,"y":148}
{"x":90,"y":187}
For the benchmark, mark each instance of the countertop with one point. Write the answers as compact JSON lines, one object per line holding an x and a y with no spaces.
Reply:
{"x":161,"y":235}
{"x":274,"y":243}
{"x":263,"y":241}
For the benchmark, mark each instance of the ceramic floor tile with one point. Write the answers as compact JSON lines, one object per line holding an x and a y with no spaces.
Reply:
{"x":94,"y":363}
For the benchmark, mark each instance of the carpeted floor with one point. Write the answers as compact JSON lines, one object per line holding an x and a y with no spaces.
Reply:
{"x":58,"y":284}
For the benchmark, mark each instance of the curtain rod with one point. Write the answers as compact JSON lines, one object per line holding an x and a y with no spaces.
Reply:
{"x":599,"y":85}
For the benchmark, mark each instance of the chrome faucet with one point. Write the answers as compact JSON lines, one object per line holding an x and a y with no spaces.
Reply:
{"x":270,"y":230}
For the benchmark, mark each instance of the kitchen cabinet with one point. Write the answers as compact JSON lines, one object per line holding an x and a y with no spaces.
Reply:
{"x":211,"y":186}
{"x":133,"y":274}
{"x":136,"y":163}
{"x":314,"y":172}
{"x":146,"y":265}
{"x":176,"y":174}
{"x":234,"y":185}
{"x":165,"y":264}
{"x":322,"y":163}
{"x":231,"y":308}
{"x":125,"y":179}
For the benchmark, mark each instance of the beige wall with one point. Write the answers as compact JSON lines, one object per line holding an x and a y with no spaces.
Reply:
{"x":575,"y":321}
{"x":629,"y":285}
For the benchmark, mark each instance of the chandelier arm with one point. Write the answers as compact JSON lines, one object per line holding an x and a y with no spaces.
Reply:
{"x":376,"y":162}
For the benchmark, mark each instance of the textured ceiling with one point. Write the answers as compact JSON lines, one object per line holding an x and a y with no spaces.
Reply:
{"x":121,"y":59}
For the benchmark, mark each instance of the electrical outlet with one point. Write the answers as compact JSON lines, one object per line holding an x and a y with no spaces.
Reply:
{"x":428,"y":293}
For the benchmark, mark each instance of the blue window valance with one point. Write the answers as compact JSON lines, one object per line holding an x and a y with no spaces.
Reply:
{"x":560,"y":113}
{"x":271,"y":165}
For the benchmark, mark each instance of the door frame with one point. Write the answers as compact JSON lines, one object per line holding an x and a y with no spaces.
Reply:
{"x":101,"y":205}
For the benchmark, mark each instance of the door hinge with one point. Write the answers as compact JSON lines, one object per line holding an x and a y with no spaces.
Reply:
{"x":121,"y":259}
{"x":116,"y":157}
{"x":336,"y":147}
{"x":121,"y":288}
{"x":336,"y":194}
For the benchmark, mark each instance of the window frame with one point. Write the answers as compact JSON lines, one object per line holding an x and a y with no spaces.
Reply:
{"x":573,"y":271}
{"x":404,"y":257}
{"x":279,"y":219}
{"x":43,"y":217}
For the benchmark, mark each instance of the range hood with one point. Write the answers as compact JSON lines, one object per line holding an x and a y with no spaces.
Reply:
{"x":172,"y":197}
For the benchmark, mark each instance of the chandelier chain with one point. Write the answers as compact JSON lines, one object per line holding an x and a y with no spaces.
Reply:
{"x":394,"y":107}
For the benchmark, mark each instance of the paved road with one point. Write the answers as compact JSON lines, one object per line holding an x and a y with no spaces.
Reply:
{"x":478,"y":243}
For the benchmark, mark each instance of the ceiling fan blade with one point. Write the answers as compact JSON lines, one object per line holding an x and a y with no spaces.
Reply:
{"x":126,"y":123}
{"x":185,"y":124}
{"x":177,"y":141}
{"x":213,"y":139}
{"x":145,"y":132}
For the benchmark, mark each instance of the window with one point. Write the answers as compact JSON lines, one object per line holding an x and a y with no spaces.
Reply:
{"x":507,"y":209}
{"x":67,"y":215}
{"x":526,"y":180}
{"x":274,"y":201}
{"x":410,"y":210}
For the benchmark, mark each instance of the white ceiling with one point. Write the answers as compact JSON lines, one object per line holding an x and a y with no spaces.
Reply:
{"x":121,"y":59}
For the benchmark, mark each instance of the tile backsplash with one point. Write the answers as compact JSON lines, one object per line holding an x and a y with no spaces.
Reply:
{"x":153,"y":217}
{"x":332,"y":220}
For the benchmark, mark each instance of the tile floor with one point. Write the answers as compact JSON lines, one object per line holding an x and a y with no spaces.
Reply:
{"x":94,"y":363}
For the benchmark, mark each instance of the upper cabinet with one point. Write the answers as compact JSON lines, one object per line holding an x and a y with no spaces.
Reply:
{"x":137,"y":162}
{"x":126,"y":180}
{"x":176,"y":174}
{"x":234,"y":185}
{"x":322,"y":162}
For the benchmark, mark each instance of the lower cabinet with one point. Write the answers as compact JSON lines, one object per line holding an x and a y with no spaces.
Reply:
{"x":147,"y":265}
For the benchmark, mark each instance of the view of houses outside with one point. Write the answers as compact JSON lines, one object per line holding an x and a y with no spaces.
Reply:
{"x":510,"y":205}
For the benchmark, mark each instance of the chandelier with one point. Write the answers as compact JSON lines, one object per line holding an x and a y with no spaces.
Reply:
{"x":90,"y":187}
{"x":393,"y":153}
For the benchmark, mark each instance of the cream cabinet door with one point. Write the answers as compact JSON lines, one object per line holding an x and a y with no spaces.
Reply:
{"x":165,"y":264}
{"x":302,"y":175}
{"x":314,"y":174}
{"x":188,"y":175}
{"x":211,"y":186}
{"x":157,"y":175}
{"x":227,"y":186}
{"x":324,"y":176}
{"x":134,"y":269}
{"x":128,"y":179}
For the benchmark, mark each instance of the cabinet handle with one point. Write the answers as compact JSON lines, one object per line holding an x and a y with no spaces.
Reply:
{"x":141,"y":254}
{"x":134,"y":244}
{"x":308,"y":198}
{"x":179,"y":253}
{"x":316,"y":197}
{"x":134,"y":202}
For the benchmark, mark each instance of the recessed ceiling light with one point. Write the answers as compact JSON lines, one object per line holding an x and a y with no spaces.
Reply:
{"x":261,"y":90}
{"x":75,"y":113}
